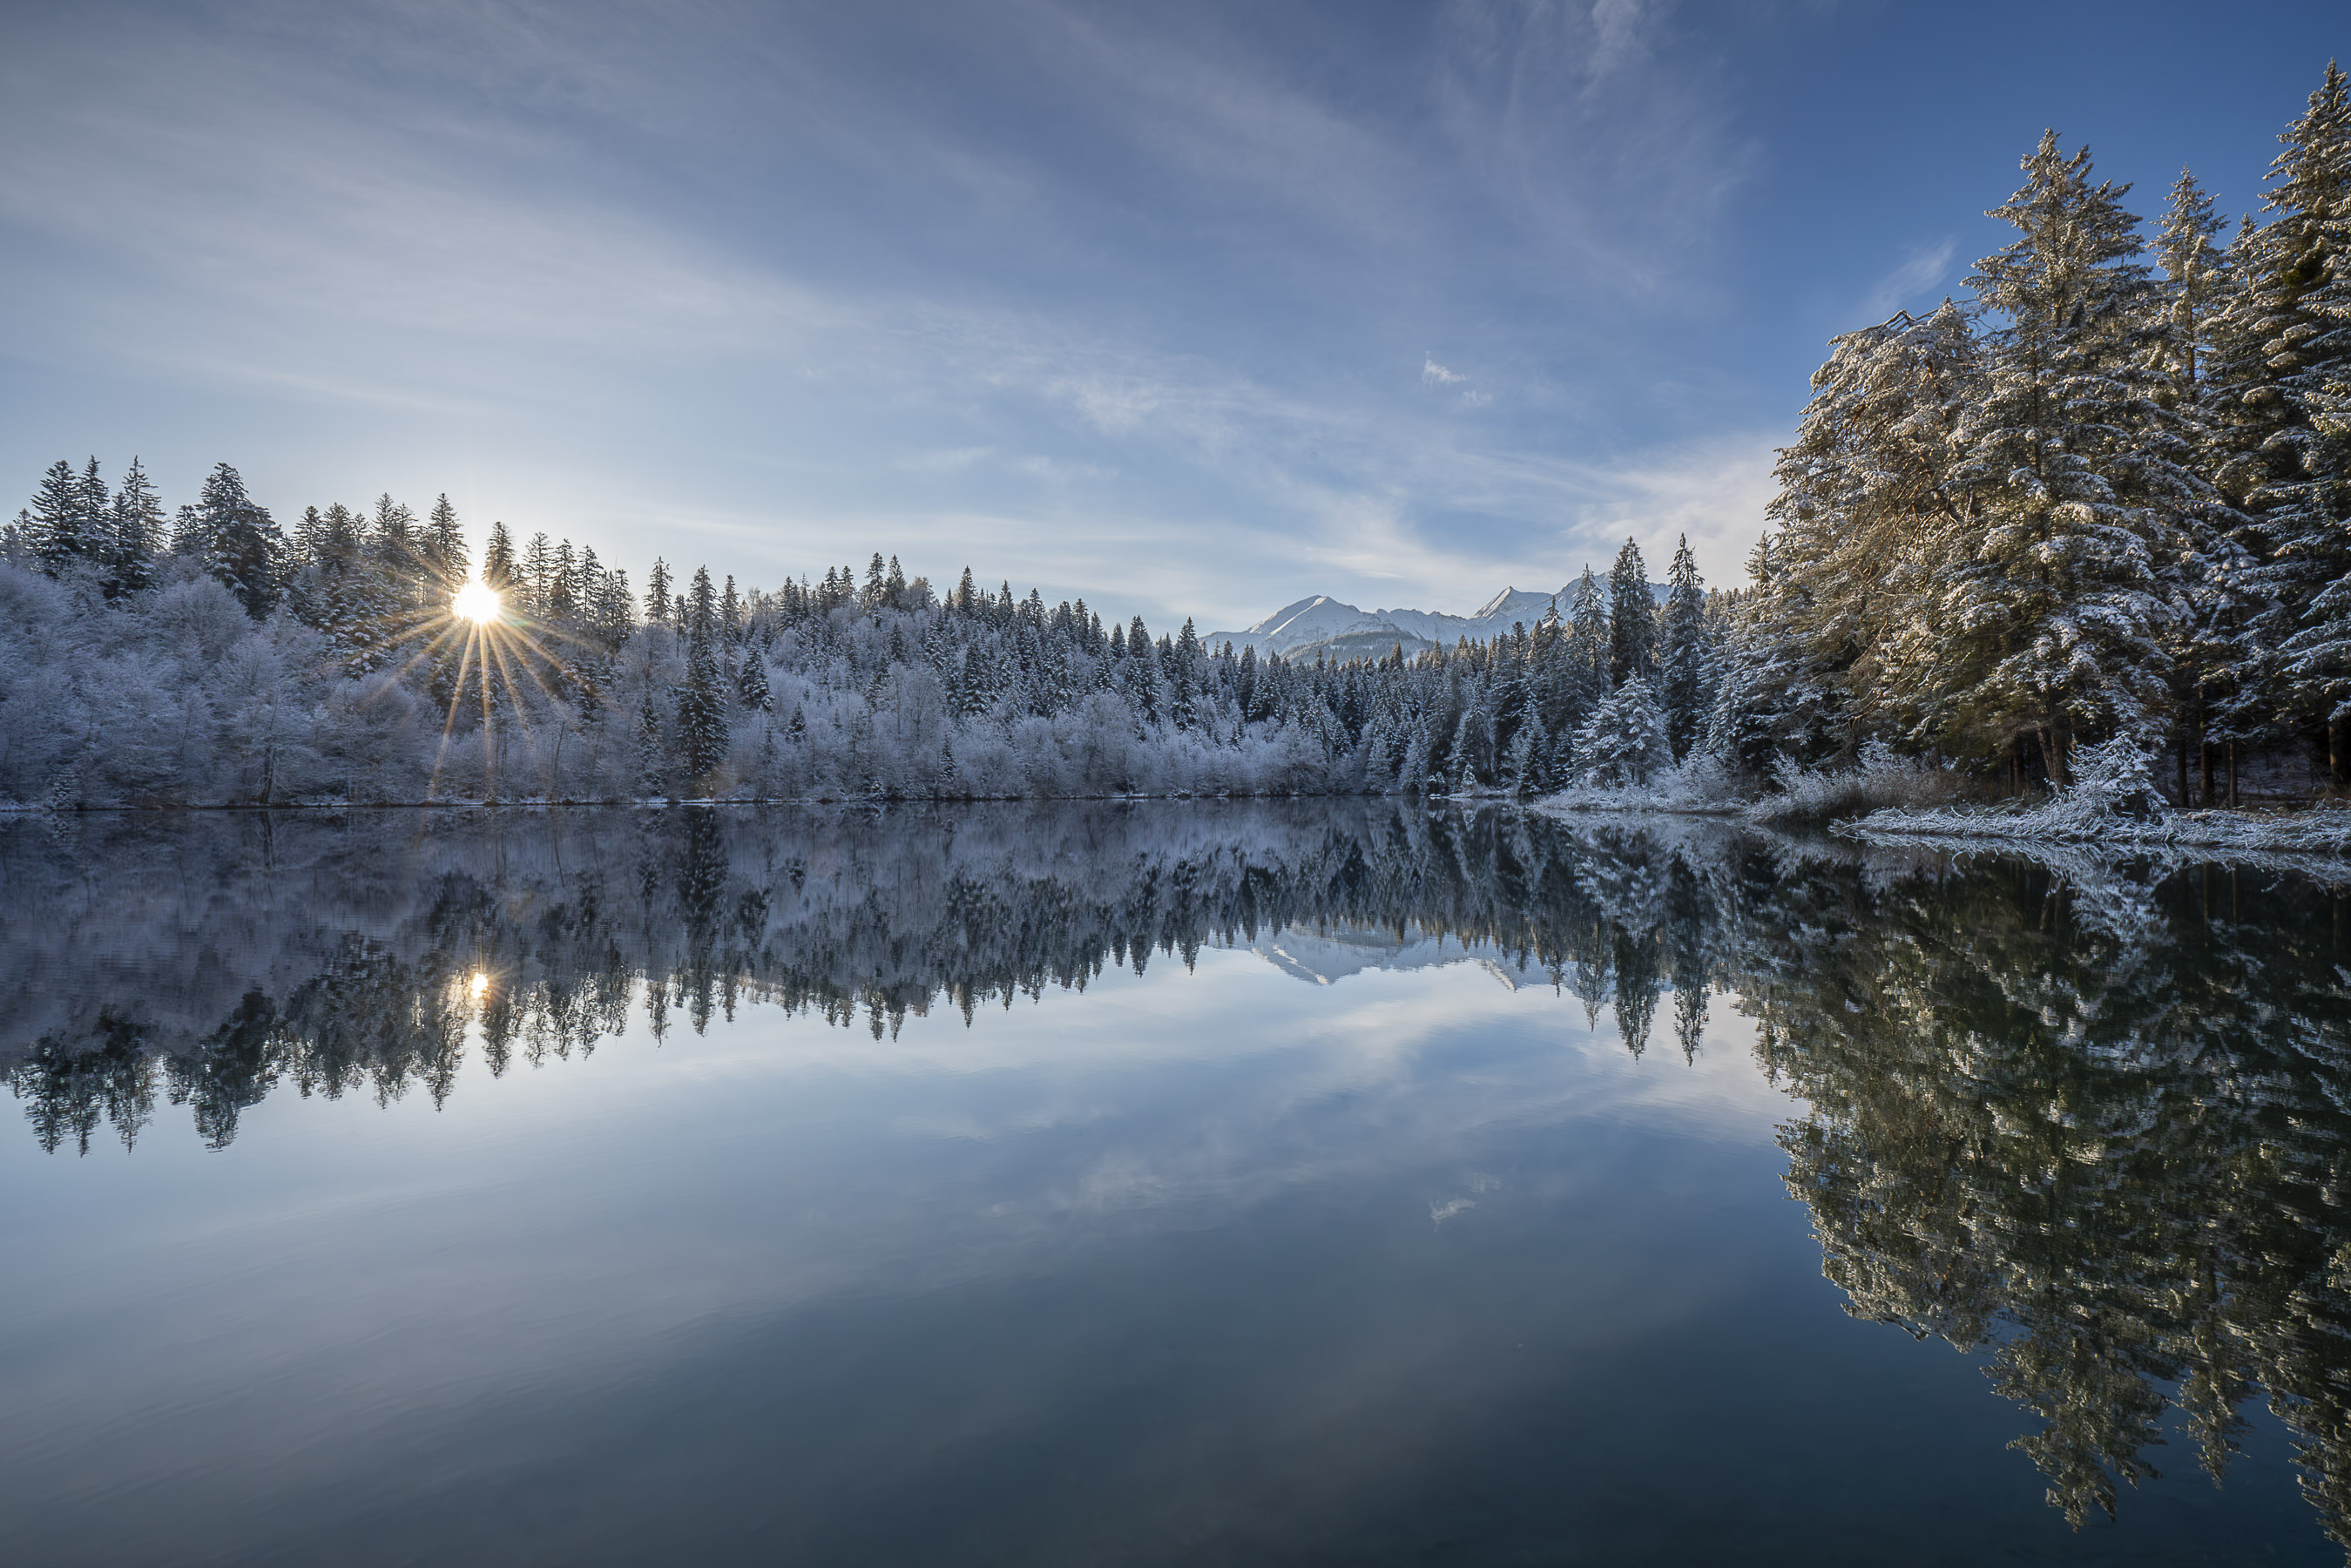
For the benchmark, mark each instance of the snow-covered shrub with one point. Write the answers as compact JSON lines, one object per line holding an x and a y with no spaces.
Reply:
{"x":1876,"y":781}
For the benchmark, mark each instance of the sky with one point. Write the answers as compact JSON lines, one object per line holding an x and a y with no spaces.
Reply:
{"x":1191,"y":310}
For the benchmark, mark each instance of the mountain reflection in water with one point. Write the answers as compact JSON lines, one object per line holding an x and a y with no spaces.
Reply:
{"x":2089,"y":1123}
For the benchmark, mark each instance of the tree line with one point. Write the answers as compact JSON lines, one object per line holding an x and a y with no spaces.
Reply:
{"x":225,"y":659}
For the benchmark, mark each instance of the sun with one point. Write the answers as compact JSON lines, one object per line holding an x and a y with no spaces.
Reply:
{"x":477,"y":602}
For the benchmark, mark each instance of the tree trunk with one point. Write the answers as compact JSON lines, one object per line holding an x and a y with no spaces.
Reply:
{"x":2232,"y":774}
{"x":2338,"y":751}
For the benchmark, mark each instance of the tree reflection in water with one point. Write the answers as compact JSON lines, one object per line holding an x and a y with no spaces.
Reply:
{"x":2089,"y":1122}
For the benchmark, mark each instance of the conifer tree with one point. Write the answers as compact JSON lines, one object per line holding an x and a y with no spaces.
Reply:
{"x":136,"y":516}
{"x":1584,"y":680}
{"x":58,"y":523}
{"x":751,"y":684}
{"x":657,"y":591}
{"x":1870,"y":474}
{"x":443,"y":549}
{"x":2301,"y":505}
{"x":1632,"y":619}
{"x":2207,"y":579}
{"x":498,"y":559}
{"x":1687,"y":660}
{"x":236,"y":541}
{"x":1624,"y":744}
{"x":538,"y":572}
{"x":2049,"y":616}
{"x":702,"y":700}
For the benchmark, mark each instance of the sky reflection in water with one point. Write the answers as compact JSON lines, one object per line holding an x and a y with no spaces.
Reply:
{"x":1339,"y":1245}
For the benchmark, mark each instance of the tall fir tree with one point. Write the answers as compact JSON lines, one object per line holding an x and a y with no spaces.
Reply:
{"x":443,"y":549}
{"x":1870,"y":474}
{"x":1685,"y":658}
{"x":2050,"y":618}
{"x":2303,"y":506}
{"x":1632,"y":619}
{"x":237,"y":541}
{"x":136,"y":533}
{"x":702,"y":700}
{"x":498,"y":559}
{"x":657,"y":591}
{"x":1584,"y":680}
{"x":60,"y":525}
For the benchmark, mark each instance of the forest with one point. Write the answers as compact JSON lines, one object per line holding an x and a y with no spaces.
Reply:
{"x":2108,"y":496}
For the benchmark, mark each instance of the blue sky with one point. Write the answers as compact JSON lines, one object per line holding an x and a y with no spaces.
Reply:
{"x":1190,"y":310}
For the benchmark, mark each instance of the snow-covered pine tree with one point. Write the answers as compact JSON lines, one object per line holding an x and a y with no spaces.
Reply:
{"x":1582,"y":682}
{"x":1632,"y":618}
{"x":498,"y":559}
{"x":236,"y":541}
{"x":1760,"y":704}
{"x":1867,"y":478}
{"x":2303,"y":508}
{"x":2206,"y":579}
{"x":60,"y":525}
{"x":1527,"y":764}
{"x":751,"y":686}
{"x":702,"y":733}
{"x":135,"y":521}
{"x":443,"y":549}
{"x":657,"y":593}
{"x":1686,"y":659}
{"x":97,"y":525}
{"x":1624,"y":744}
{"x":2049,"y":616}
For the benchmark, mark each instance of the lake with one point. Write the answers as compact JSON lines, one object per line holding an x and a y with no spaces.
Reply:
{"x":1161,"y":1182}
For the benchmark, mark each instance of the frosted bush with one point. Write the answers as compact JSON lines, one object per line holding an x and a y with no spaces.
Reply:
{"x":1877,"y":780}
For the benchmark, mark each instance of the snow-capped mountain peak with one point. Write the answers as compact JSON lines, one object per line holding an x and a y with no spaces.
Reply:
{"x":1324,"y":625}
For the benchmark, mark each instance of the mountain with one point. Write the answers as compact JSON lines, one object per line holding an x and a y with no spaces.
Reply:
{"x":1323,"y":625}
{"x":1326,"y":955}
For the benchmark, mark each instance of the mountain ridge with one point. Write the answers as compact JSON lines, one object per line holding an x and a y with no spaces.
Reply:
{"x":1321,"y":624}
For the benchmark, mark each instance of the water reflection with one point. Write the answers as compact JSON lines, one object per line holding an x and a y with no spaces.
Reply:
{"x":2089,"y":1123}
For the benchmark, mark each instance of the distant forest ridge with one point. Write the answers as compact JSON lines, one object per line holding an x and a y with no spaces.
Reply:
{"x":229,"y":660}
{"x":2109,"y":496}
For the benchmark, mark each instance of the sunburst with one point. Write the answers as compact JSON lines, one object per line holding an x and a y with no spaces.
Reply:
{"x":497,"y":649}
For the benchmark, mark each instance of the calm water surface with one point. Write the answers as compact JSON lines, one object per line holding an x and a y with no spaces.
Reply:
{"x":1159,"y":1184}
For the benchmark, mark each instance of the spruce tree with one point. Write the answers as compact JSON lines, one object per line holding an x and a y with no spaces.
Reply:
{"x":1871,"y":472}
{"x":1632,"y":619}
{"x":237,"y":541}
{"x":1583,"y":684}
{"x":498,"y":559}
{"x":657,"y":587}
{"x":2302,"y":504}
{"x":136,"y":519}
{"x":751,"y":684}
{"x":443,"y":549}
{"x":1687,"y":660}
{"x":2051,"y":616}
{"x":58,"y":523}
{"x":702,"y":700}
{"x":2207,"y":579}
{"x":1624,"y":744}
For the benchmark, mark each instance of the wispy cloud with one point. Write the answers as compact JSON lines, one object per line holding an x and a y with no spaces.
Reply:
{"x":944,"y":460}
{"x":1921,"y":269}
{"x":732,"y":286}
